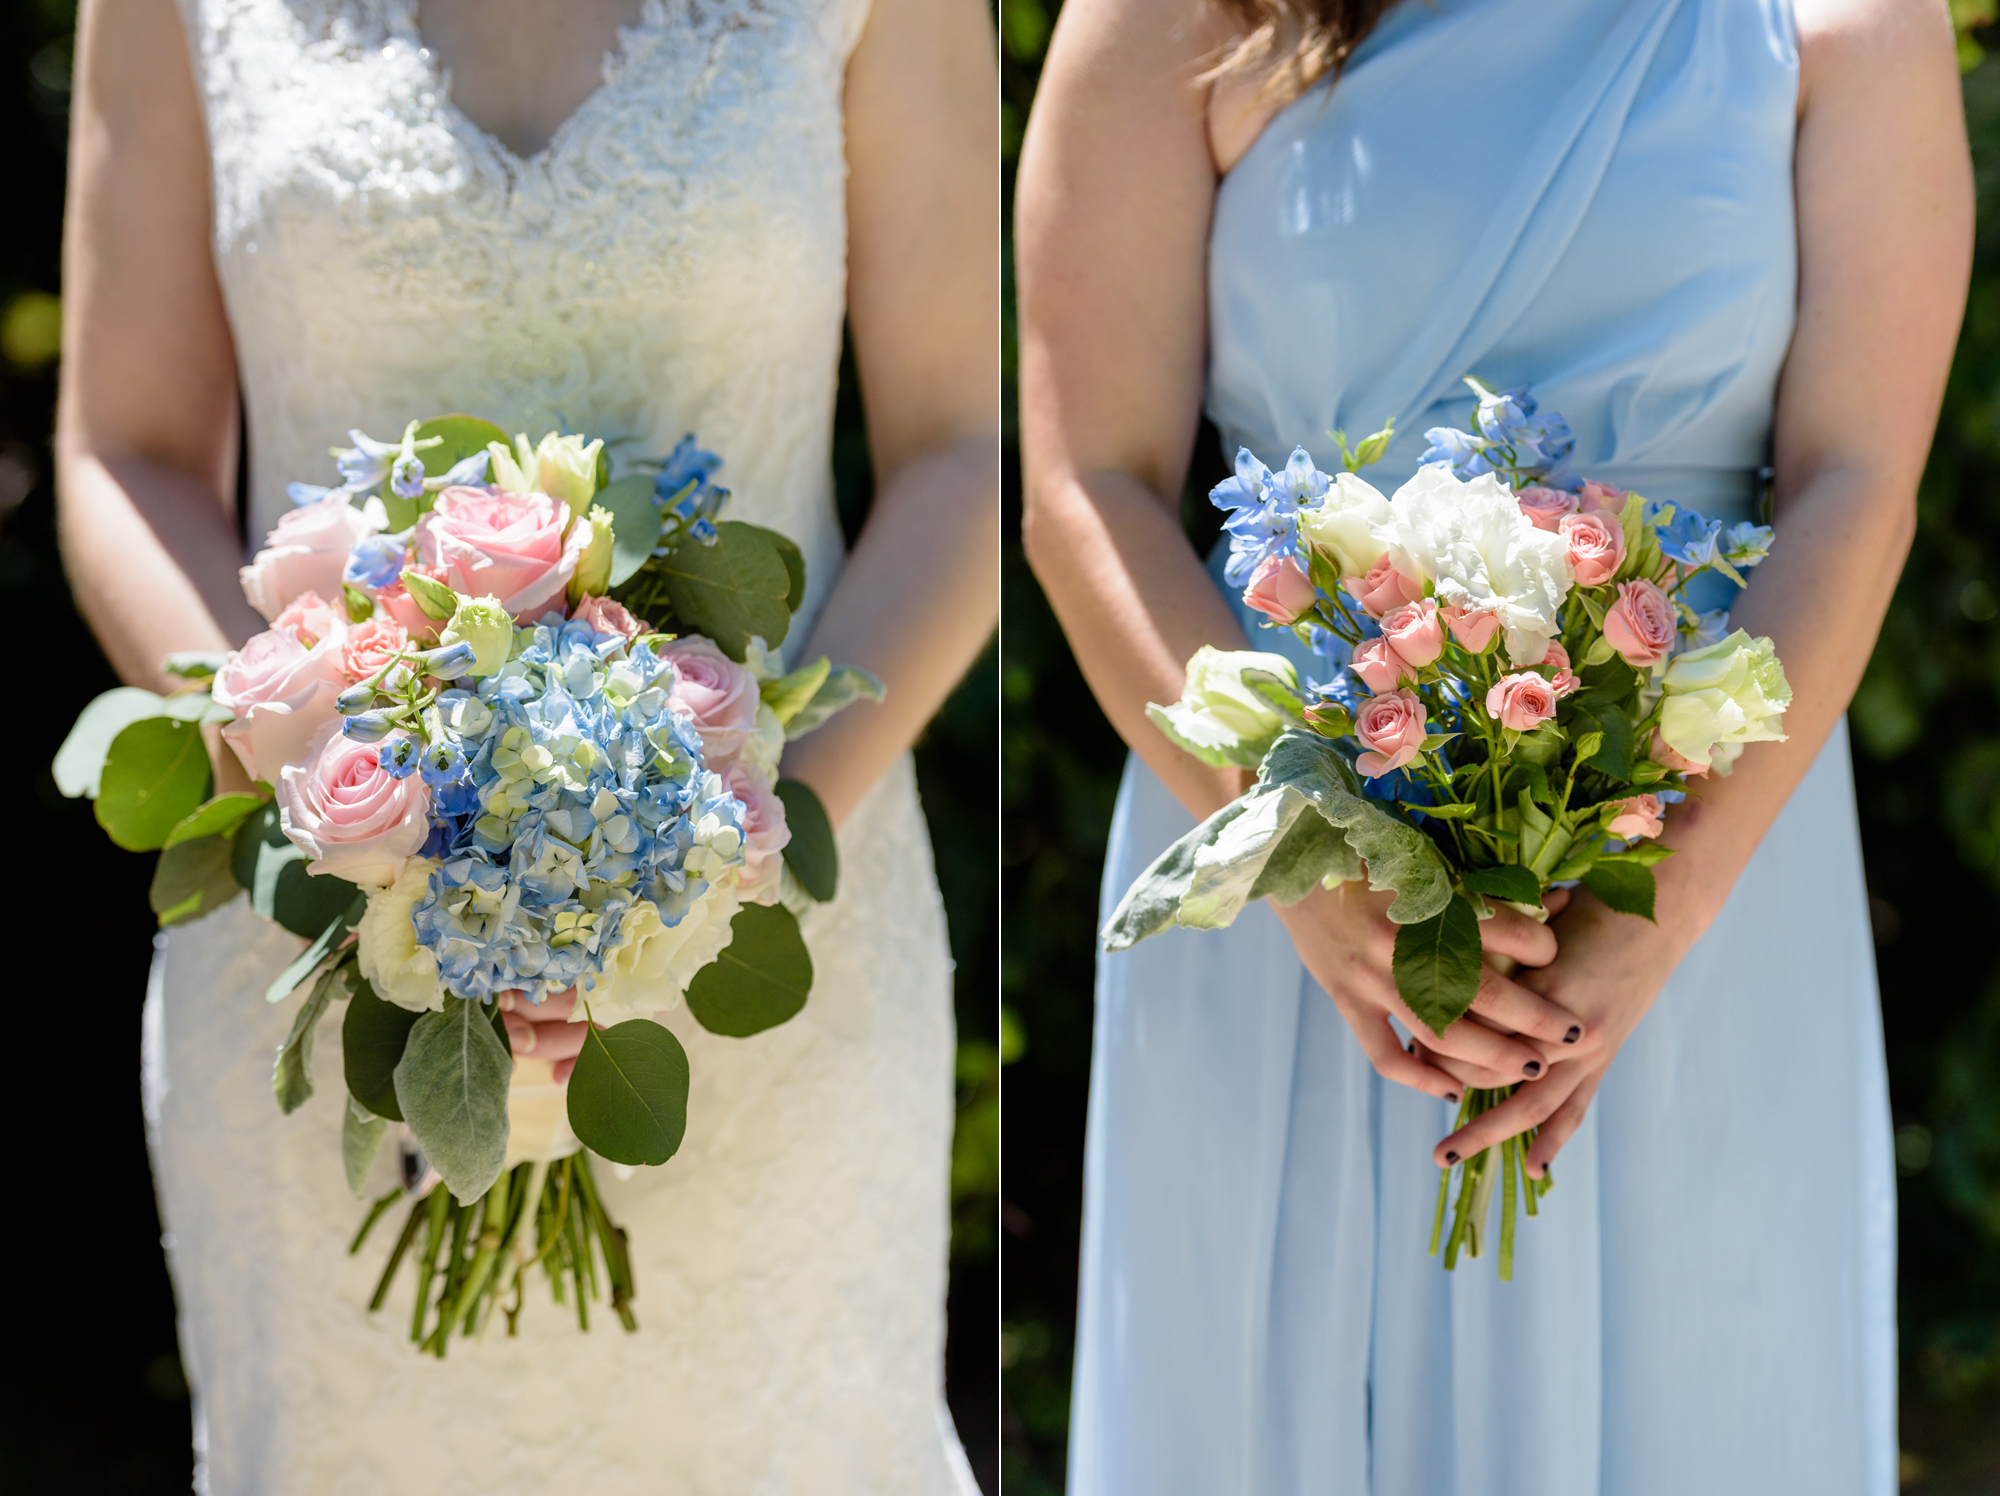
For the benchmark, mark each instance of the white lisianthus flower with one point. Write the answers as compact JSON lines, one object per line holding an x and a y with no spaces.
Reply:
{"x":562,"y":467}
{"x":650,"y":967}
{"x":1222,"y":718}
{"x":1481,"y":553}
{"x":400,"y":970}
{"x":1341,"y":526}
{"x":1722,"y":697}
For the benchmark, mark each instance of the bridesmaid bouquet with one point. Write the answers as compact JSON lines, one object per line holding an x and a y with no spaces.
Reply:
{"x":479,"y":771}
{"x":1528,"y":687}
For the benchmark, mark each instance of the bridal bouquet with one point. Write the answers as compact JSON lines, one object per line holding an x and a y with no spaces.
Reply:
{"x":479,"y":771}
{"x":1528,"y":686}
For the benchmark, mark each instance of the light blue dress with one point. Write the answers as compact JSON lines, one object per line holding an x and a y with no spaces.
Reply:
{"x":1593,"y":197}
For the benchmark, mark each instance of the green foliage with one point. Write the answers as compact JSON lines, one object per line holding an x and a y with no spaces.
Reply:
{"x":1624,"y":886}
{"x":1437,"y":964}
{"x":191,"y":879}
{"x":635,"y":523}
{"x":291,"y":1078}
{"x":844,"y":685}
{"x":811,"y":853}
{"x":1507,"y":881}
{"x":155,"y":773}
{"x":451,"y":1086}
{"x":303,"y":964}
{"x":736,"y":588}
{"x":373,"y":1037}
{"x":761,"y":978}
{"x":274,"y":871}
{"x":361,"y":1137}
{"x":628,"y":1094}
{"x":79,"y":763}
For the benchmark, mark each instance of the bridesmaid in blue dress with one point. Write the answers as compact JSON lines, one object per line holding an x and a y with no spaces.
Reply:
{"x":1728,"y":239}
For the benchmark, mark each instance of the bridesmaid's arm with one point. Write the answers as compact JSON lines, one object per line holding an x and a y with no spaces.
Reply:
{"x":1885,"y":212}
{"x":921,"y":590}
{"x":146,"y":421}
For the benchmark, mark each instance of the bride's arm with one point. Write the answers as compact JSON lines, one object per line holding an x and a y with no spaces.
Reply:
{"x":146,"y":422}
{"x":1885,"y":211}
{"x":921,"y":590}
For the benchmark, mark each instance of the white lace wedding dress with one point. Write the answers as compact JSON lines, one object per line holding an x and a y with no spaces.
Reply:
{"x":673,"y":261}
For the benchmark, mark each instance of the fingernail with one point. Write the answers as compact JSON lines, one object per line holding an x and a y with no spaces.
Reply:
{"x":1451,"y":1158}
{"x":1532,"y":1069}
{"x":1452,"y":1097}
{"x":1575,"y":1033}
{"x":1411,"y":1047}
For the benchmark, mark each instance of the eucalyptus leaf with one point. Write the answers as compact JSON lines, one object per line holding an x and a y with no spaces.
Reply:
{"x":732,"y":590}
{"x":322,"y":946}
{"x":628,"y":1094}
{"x":291,"y":1079}
{"x":761,"y":978}
{"x":156,"y":773}
{"x":844,"y":685}
{"x":1436,"y":964}
{"x":1626,"y":887}
{"x":795,"y":569}
{"x":811,"y":853}
{"x":635,"y":523}
{"x":373,"y":1037}
{"x":788,"y":694}
{"x":266,"y":863}
{"x":195,"y":706}
{"x":1507,"y":881}
{"x":361,"y":1135}
{"x":219,"y":816}
{"x":79,"y":763}
{"x":451,"y":1086}
{"x":192,"y":878}
{"x":194,"y":664}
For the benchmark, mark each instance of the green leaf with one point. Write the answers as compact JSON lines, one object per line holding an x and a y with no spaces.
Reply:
{"x":760,"y":979}
{"x":1452,"y":812}
{"x":361,"y":1135}
{"x":843,"y":686}
{"x":635,"y":523}
{"x":1229,"y":870}
{"x":435,"y":599}
{"x":1507,"y":881}
{"x":1153,"y":901}
{"x":372,"y":1039}
{"x":156,"y":773}
{"x":302,"y":965}
{"x":733,"y":589}
{"x":811,"y":853}
{"x":459,"y":437}
{"x":451,"y":1085}
{"x":217,"y":817}
{"x":79,"y":763}
{"x":266,"y":863}
{"x":360,"y":606}
{"x":1599,"y":652}
{"x":1624,"y":886}
{"x":1436,"y":964}
{"x":1645,"y":854}
{"x":194,"y":664}
{"x":292,"y":1077}
{"x":192,"y":878}
{"x":628,"y":1094}
{"x":795,"y":571}
{"x":1609,"y":721}
{"x":788,"y":694}
{"x":195,"y":706}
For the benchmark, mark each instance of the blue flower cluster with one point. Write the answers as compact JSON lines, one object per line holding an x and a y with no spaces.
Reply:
{"x":565,"y":789}
{"x":689,"y":499}
{"x":1263,"y":509}
{"x":1513,"y":437}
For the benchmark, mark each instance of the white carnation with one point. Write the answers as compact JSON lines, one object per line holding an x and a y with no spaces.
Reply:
{"x":400,"y":970}
{"x":1473,"y":543}
{"x":1341,"y":526}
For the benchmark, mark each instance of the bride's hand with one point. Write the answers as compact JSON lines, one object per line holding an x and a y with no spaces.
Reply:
{"x":1346,"y":941}
{"x":544,"y":1032}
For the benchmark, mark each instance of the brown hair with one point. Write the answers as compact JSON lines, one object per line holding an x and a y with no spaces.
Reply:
{"x":1294,"y":43}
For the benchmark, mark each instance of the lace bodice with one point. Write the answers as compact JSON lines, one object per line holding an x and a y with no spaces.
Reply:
{"x":671,"y":261}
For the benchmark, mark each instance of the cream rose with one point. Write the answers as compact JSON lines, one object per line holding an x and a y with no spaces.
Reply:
{"x":650,"y":967}
{"x":1341,"y":526}
{"x":399,"y":969}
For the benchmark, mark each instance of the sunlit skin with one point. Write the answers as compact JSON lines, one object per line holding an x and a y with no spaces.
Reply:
{"x":1117,"y":186}
{"x":146,"y":433}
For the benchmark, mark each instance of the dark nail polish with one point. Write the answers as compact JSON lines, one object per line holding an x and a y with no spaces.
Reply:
{"x":1532,"y":1069}
{"x":1575,"y":1033}
{"x":1451,"y":1158}
{"x":1452,"y":1097}
{"x":1411,"y":1047}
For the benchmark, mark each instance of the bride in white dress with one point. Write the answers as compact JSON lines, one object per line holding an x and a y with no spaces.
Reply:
{"x":638,"y":220}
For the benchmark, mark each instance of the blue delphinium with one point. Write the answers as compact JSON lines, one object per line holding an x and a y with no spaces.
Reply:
{"x":689,"y":500}
{"x":1689,"y":538}
{"x":1263,"y":509}
{"x":1512,"y":436}
{"x":375,"y":562}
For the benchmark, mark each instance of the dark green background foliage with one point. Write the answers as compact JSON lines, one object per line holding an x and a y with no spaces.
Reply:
{"x":93,"y":1399}
{"x":1927,"y":759}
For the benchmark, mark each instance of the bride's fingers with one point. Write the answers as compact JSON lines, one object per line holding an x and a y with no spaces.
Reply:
{"x":1528,"y":1107}
{"x":1512,"y":933}
{"x":1562,"y":1123}
{"x":1529,"y":1014}
{"x":1555,"y":901}
{"x":558,"y":1040}
{"x":520,"y":1032}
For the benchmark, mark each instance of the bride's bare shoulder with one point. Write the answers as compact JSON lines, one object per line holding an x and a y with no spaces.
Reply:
{"x":1874,"y":48}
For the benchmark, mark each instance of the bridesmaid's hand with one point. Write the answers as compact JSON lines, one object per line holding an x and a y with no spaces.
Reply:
{"x":1346,"y":941}
{"x":545,"y":1032}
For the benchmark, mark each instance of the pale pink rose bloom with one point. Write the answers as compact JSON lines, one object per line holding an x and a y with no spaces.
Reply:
{"x":1380,"y":667}
{"x":1280,"y":590}
{"x":508,"y":546}
{"x":1545,"y":507}
{"x":1596,"y":547}
{"x":1415,"y":632}
{"x":1557,"y":659}
{"x":1603,"y":497}
{"x":282,"y":694}
{"x":718,"y":693}
{"x":608,"y":617}
{"x":1472,"y":630}
{"x":305,"y":553}
{"x":1636,"y":818}
{"x":349,"y":815}
{"x":308,"y":619}
{"x":764,"y":833}
{"x":395,"y":600}
{"x":1521,"y":701}
{"x":1391,"y":728}
{"x":1663,"y":754}
{"x":1383,"y":589}
{"x":1640,"y":625}
{"x":372,"y":645}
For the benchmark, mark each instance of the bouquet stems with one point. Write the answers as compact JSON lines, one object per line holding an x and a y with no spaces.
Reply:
{"x":1505,"y":1166}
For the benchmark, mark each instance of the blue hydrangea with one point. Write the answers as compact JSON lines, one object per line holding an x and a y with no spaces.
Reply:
{"x":1263,"y":509}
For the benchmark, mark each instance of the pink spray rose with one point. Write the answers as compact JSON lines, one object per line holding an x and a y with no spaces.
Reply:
{"x":1596,"y":547}
{"x":1280,"y":590}
{"x":1380,"y":667}
{"x":282,"y":694}
{"x":607,"y":617}
{"x":345,"y":812}
{"x":1545,"y":507}
{"x":764,"y":833}
{"x":508,"y":546}
{"x":307,"y":619}
{"x":1663,"y":754}
{"x":720,"y":694}
{"x":1636,"y":818}
{"x":1640,"y":625}
{"x":1521,"y":701}
{"x":1383,"y":589}
{"x":305,"y":553}
{"x":372,"y":645}
{"x":1602,"y":497}
{"x":1415,"y":632}
{"x":1472,"y":630}
{"x":1557,"y":659}
{"x":396,"y":601}
{"x":1391,"y":728}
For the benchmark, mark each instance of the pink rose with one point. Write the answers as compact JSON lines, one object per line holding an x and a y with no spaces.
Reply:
{"x":305,"y":553}
{"x":1473,"y":631}
{"x":282,"y":694}
{"x":372,"y":645}
{"x":1603,"y":497}
{"x":395,"y":600}
{"x":1391,"y":728}
{"x":718,"y":693}
{"x":1640,"y":625}
{"x":508,"y":546}
{"x":1521,"y":701}
{"x":1415,"y":632}
{"x":1280,"y":590}
{"x":1557,"y":659}
{"x":607,"y":617}
{"x":1636,"y":818}
{"x":1545,"y":507}
{"x":1380,"y":667}
{"x":1383,"y":589}
{"x":346,"y":813}
{"x":1596,"y":547}
{"x":307,"y":619}
{"x":764,"y":833}
{"x":1663,"y":754}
